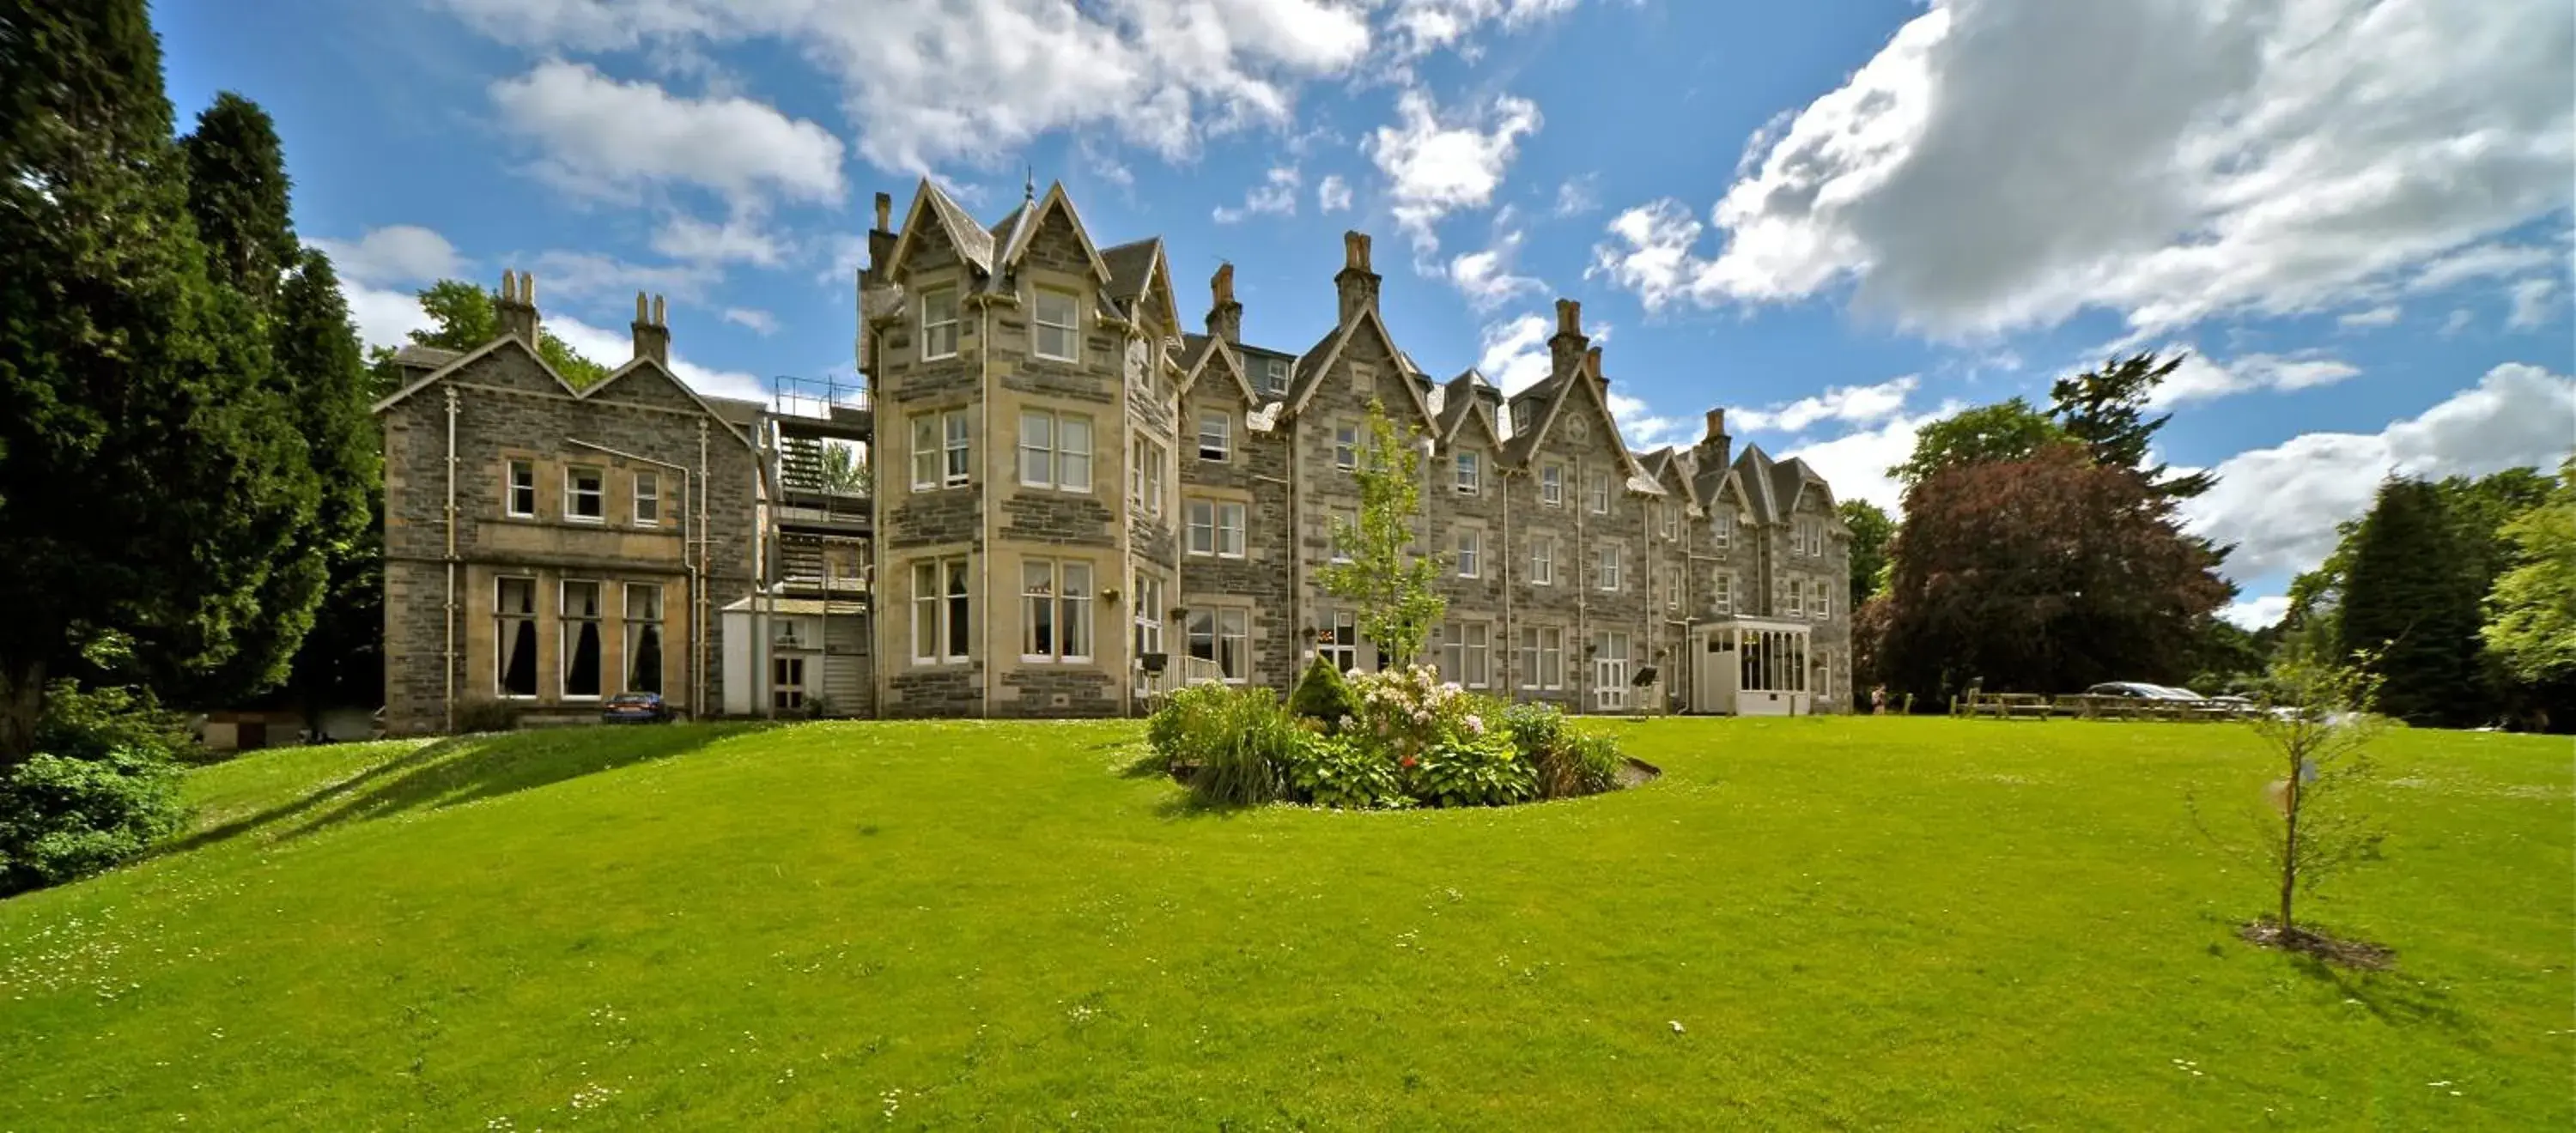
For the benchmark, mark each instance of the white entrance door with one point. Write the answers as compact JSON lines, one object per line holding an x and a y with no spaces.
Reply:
{"x":1712,"y":671}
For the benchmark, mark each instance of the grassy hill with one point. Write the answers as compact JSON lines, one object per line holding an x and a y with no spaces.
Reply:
{"x":1806,"y":923}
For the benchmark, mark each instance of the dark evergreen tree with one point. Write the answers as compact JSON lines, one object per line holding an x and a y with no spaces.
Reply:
{"x":148,"y":479}
{"x":2105,"y":409}
{"x":238,"y":193}
{"x":2411,"y":592}
{"x":340,"y":660}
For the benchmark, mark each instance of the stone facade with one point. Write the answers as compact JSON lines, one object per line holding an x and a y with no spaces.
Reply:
{"x":583,"y":531}
{"x":1214,"y":480}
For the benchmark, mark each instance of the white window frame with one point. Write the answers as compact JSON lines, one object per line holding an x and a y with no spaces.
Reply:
{"x":949,"y":455}
{"x":519,"y":481}
{"x":1222,"y":431}
{"x":1145,"y":477}
{"x":598,"y":495}
{"x":1723,"y":587}
{"x":1056,"y":594}
{"x":504,"y":621}
{"x":1542,"y":560}
{"x":1542,"y":651}
{"x":1606,"y":567}
{"x":1047,"y":448}
{"x":1192,"y":514}
{"x":1341,"y":644}
{"x":1551,"y":485}
{"x":1600,"y":491}
{"x":787,"y":683}
{"x":1274,"y":377}
{"x":1470,"y":473}
{"x":1230,"y":525}
{"x":1820,"y":604}
{"x":636,"y":621}
{"x":1070,"y":328}
{"x":648,"y":499}
{"x":1335,"y":519}
{"x":1664,"y":519}
{"x":1721,"y":529}
{"x":936,"y":609}
{"x":1225,"y":624}
{"x":1149,"y":615}
{"x":1797,"y":601}
{"x":939,"y":334}
{"x":568,"y":623}
{"x":1471,"y":552}
{"x":1346,"y":447}
{"x":1466,"y":653}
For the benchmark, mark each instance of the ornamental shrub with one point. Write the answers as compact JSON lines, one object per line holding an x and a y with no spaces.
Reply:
{"x":1472,"y":771}
{"x":1323,"y":695}
{"x":102,"y":787}
{"x":1345,"y":773}
{"x":1239,"y":741}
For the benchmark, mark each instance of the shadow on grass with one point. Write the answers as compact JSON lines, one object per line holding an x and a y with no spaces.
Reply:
{"x":465,"y":769}
{"x":2387,"y":995}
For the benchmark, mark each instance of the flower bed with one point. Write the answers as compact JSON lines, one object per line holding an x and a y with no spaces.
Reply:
{"x":1396,"y":739}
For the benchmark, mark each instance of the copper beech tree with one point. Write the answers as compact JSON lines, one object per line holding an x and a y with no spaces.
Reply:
{"x":2043,"y":574}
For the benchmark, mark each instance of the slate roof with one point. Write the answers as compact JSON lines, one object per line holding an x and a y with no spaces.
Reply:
{"x":973,"y":241}
{"x":1131,"y":267}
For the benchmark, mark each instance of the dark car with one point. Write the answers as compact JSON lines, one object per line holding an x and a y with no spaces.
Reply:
{"x":635,"y":708}
{"x":2134,"y":690}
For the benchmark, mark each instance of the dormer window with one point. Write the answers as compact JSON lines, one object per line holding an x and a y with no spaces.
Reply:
{"x":1520,"y":418}
{"x":1274,"y":377}
{"x":1059,"y":325}
{"x":938,"y":324}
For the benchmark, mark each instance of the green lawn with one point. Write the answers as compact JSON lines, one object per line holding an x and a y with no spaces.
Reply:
{"x":1808,"y":923}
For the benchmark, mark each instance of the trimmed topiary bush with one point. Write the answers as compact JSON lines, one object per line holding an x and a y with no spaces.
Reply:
{"x":1323,"y":695}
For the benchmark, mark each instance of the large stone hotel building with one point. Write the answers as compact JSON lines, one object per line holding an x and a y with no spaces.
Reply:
{"x":1071,"y":500}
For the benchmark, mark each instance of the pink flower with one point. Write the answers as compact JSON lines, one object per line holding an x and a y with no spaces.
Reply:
{"x":1475,"y":727}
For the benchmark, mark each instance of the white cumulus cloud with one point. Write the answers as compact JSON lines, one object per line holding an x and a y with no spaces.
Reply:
{"x":1439,"y":163}
{"x":600,"y":136}
{"x":2267,"y":157}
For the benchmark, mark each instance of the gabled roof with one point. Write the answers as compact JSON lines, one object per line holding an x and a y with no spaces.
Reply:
{"x":1757,"y":476}
{"x":974,"y":243}
{"x":504,"y":342}
{"x":1671,"y":467}
{"x":1552,"y":396}
{"x":514,"y":342}
{"x":1459,"y":401}
{"x":1200,"y":351}
{"x":1311,"y":366}
{"x":1026,"y":222}
{"x":1133,"y":268}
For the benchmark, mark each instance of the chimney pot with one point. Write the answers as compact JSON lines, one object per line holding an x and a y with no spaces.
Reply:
{"x":1716,"y":424}
{"x":885,"y":211}
{"x":652,"y":338}
{"x":1355,"y":251}
{"x":642,"y":313}
{"x":1222,"y":285}
{"x":1592,"y":365}
{"x":1569,"y":317}
{"x":518,"y":306}
{"x":660,"y":313}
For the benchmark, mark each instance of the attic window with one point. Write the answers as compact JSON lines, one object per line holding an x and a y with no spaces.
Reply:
{"x":1363,"y":377}
{"x":1274,"y":377}
{"x":1059,"y":322}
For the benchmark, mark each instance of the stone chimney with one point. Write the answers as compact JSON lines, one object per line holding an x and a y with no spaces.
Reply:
{"x":881,"y":239}
{"x":1715,"y":448}
{"x":1592,"y":367}
{"x":652,"y":334}
{"x":518,"y":306}
{"x":1565,"y":349}
{"x":1225,"y":316}
{"x":1357,"y":284}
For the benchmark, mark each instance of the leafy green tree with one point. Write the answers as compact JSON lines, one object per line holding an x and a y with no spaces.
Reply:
{"x":843,"y":471}
{"x":1395,"y":589}
{"x":2105,"y":409}
{"x":2007,"y":430}
{"x":149,"y":478}
{"x":2314,"y":718}
{"x":2411,"y":597}
{"x":2531,"y":611}
{"x":1870,"y":531}
{"x":464,"y":317}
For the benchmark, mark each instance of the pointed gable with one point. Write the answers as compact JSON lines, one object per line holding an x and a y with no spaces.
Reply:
{"x":1313,"y":366}
{"x":1054,"y":216}
{"x":1140,"y":280}
{"x":495,"y":363}
{"x":1210,"y":357}
{"x":933,"y":221}
{"x":644,"y":381}
{"x":1462,"y":401}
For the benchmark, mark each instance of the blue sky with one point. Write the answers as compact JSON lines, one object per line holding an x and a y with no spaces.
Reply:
{"x":1835,"y":220}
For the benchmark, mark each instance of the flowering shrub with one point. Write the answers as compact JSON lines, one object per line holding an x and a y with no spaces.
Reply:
{"x":1323,"y":696}
{"x":1410,"y":739}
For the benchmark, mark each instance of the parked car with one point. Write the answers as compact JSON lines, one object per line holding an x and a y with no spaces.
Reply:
{"x":635,"y":708}
{"x":2135,"y":690}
